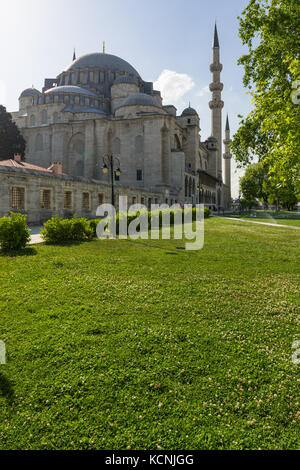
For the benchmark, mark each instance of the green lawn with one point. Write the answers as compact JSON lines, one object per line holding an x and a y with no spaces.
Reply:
{"x":142,"y":345}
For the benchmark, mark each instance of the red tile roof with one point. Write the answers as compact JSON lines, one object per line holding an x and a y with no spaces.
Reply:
{"x":24,"y":165}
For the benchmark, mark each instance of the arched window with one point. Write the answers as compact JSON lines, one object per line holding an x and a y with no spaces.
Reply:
{"x":116,"y":147}
{"x":39,"y":144}
{"x":32,"y":120}
{"x":139,"y":144}
{"x":177,"y":142}
{"x":44,"y":117}
{"x":190,"y":187}
{"x":194,"y":187}
{"x":186,"y":186}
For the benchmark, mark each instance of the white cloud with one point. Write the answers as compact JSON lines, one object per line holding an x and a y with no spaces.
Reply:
{"x":203,"y":91}
{"x":173,"y":86}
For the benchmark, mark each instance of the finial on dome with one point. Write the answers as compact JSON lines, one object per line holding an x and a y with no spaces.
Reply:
{"x":103,"y":47}
{"x":74,"y":55}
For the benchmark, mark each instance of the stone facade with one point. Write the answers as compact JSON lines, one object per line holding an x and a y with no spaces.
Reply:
{"x":35,"y":183}
{"x":98,"y":106}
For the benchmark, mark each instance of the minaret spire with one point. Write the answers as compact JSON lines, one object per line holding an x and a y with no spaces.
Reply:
{"x":74,"y":55}
{"x":216,"y":104}
{"x":216,"y":36}
{"x":227,"y":157}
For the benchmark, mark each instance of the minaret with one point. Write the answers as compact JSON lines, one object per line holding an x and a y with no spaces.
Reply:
{"x":216,"y":105}
{"x":227,"y":156}
{"x":74,"y":55}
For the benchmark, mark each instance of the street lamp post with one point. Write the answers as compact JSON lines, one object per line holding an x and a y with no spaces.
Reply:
{"x":200,"y":189}
{"x":112,"y":164}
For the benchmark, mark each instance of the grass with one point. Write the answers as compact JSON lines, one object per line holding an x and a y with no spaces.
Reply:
{"x":142,"y":345}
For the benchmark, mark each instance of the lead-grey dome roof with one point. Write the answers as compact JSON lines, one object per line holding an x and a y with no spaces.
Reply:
{"x":102,"y":61}
{"x":212,"y":139}
{"x":189,"y":112}
{"x":71,"y":89}
{"x":125,"y":79}
{"x":140,"y":99}
{"x":30,"y":92}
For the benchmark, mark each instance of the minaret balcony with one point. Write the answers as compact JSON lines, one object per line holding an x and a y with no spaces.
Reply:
{"x":227,"y":156}
{"x":216,"y":87}
{"x":216,"y":68}
{"x":216,"y":104}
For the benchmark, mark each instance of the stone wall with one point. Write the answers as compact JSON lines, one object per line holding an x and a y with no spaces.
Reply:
{"x":35,"y":181}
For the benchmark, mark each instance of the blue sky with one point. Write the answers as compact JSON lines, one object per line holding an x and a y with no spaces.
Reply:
{"x":169,"y":42}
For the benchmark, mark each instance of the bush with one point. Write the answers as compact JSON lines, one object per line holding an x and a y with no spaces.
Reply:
{"x":93,"y":224}
{"x":14,"y":232}
{"x":207,"y":213}
{"x":58,"y":230}
{"x":131,"y":217}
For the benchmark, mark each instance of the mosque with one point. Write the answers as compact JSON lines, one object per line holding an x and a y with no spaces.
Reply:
{"x":100,"y":107}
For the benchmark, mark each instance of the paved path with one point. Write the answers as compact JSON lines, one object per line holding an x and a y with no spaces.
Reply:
{"x":35,"y":236}
{"x":261,"y":223}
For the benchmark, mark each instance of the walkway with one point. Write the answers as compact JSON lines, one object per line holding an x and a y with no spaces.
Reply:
{"x":261,"y":223}
{"x":35,"y":235}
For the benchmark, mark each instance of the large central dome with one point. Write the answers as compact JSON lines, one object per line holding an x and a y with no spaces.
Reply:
{"x":104,"y":62}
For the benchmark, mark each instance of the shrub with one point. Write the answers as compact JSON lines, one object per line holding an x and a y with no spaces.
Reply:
{"x":14,"y":232}
{"x":58,"y":230}
{"x":207,"y":212}
{"x":93,"y":224}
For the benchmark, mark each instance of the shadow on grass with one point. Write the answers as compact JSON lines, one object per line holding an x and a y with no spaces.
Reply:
{"x":6,"y":389}
{"x":69,"y":243}
{"x":24,"y":252}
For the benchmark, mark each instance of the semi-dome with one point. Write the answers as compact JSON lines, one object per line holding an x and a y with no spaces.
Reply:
{"x":189,"y":112}
{"x":30,"y":92}
{"x":102,"y":61}
{"x":125,"y":79}
{"x":140,"y":99}
{"x":71,"y":89}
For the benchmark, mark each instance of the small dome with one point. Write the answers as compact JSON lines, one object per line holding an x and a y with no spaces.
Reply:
{"x":29,"y":92}
{"x":140,"y":99}
{"x":70,"y":89}
{"x":189,"y":112}
{"x":125,"y":79}
{"x":212,"y":139}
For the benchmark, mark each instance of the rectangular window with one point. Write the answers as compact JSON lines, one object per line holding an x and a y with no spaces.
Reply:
{"x":143,"y":201}
{"x":45,"y":198}
{"x":85,"y":200}
{"x":18,"y":198}
{"x":68,"y":196}
{"x":134,"y":200}
{"x":139,"y":175}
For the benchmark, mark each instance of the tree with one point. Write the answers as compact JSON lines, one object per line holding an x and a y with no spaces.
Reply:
{"x":11,"y":140}
{"x":254,"y":184}
{"x":270,"y":133}
{"x":257,"y":184}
